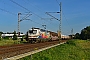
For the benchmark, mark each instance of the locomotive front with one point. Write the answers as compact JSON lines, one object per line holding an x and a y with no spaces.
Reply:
{"x":33,"y":34}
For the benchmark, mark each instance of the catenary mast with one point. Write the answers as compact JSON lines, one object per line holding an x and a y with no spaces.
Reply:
{"x":59,"y":32}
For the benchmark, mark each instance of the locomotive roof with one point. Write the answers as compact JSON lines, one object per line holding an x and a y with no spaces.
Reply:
{"x":35,"y":28}
{"x":43,"y":29}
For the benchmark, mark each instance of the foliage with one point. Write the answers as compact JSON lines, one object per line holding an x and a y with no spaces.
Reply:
{"x":6,"y":38}
{"x":14,"y":36}
{"x":85,"y":33}
{"x":77,"y":36}
{"x":9,"y":42}
{"x":0,"y":36}
{"x":70,"y":42}
{"x":1,"y":32}
{"x":73,"y":50}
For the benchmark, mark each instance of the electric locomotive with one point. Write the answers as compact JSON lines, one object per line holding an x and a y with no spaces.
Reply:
{"x":40,"y":35}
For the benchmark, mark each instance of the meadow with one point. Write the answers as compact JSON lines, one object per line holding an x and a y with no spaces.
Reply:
{"x":72,"y":50}
{"x":8,"y":42}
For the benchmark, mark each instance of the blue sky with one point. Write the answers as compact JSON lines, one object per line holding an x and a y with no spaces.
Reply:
{"x":75,"y":14}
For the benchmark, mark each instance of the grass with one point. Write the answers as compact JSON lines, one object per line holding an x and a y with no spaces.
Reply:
{"x":8,"y":42}
{"x":72,"y":50}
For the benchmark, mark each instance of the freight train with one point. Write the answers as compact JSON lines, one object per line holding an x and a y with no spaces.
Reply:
{"x":34,"y":35}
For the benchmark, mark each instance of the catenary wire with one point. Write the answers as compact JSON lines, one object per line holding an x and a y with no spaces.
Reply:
{"x":8,"y":11}
{"x":24,"y":8}
{"x":40,"y":11}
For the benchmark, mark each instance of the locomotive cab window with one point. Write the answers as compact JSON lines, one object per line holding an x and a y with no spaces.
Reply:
{"x":32,"y":31}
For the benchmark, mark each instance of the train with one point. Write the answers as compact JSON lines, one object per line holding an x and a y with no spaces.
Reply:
{"x":35,"y":35}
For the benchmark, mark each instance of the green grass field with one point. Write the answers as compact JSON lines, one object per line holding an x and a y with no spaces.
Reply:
{"x":72,"y":50}
{"x":8,"y":42}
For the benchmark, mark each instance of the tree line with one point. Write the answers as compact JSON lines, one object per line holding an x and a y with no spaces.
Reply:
{"x":84,"y":35}
{"x":14,"y":36}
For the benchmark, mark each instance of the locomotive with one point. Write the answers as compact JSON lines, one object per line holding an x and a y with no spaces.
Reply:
{"x":40,"y":35}
{"x":34,"y":35}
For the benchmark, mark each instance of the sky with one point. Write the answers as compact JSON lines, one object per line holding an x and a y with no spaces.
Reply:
{"x":75,"y":15}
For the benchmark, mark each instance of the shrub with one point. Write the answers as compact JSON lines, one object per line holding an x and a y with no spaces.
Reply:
{"x":71,"y":42}
{"x":14,"y":36}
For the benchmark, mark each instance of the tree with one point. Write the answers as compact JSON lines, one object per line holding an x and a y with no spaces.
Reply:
{"x":0,"y":36}
{"x":77,"y":36}
{"x":85,"y":33}
{"x":14,"y":36}
{"x":1,"y":32}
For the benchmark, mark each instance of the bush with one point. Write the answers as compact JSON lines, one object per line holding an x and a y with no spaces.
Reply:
{"x":0,"y":36}
{"x":6,"y":38}
{"x":14,"y":36}
{"x":71,"y":42}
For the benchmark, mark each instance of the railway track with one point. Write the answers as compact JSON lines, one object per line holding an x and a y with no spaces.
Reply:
{"x":9,"y":51}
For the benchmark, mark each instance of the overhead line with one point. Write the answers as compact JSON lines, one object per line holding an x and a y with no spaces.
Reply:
{"x":8,"y":11}
{"x":7,"y":4}
{"x":19,"y":5}
{"x":57,"y":2}
{"x":35,"y":22}
{"x":52,"y":16}
{"x":27,"y":10}
{"x":66,"y":20}
{"x":27,"y":15}
{"x":34,"y":6}
{"x":24,"y":8}
{"x":40,"y":11}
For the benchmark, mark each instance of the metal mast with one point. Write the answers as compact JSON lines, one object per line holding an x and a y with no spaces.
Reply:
{"x":19,"y":20}
{"x":18,"y":23}
{"x":59,"y":32}
{"x":60,"y":19}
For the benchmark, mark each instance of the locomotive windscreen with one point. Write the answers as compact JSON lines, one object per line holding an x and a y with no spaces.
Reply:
{"x":32,"y":31}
